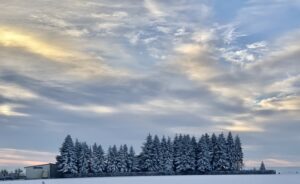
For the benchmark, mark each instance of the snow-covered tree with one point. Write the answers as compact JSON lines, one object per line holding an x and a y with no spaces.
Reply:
{"x":184,"y":154}
{"x":112,"y":163}
{"x":230,"y":152}
{"x":239,"y":156}
{"x":157,"y":155}
{"x":84,"y":160}
{"x":146,"y":158}
{"x":166,"y":157}
{"x":203,"y":158}
{"x":132,"y":163}
{"x":78,"y":148}
{"x":66,"y":161}
{"x":222,"y":163}
{"x":262,"y":166}
{"x":122,"y":158}
{"x":177,"y":147}
{"x":214,"y":150}
{"x":97,"y":160}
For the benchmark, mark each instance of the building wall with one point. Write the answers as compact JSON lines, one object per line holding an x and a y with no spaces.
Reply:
{"x":36,"y":172}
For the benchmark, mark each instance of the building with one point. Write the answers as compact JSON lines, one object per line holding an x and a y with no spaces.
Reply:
{"x":41,"y":171}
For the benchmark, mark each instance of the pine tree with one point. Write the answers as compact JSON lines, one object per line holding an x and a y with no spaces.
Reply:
{"x":132,"y":164}
{"x":78,"y":147}
{"x":190,"y":164}
{"x":112,"y":164}
{"x":66,"y":161}
{"x":156,"y":156}
{"x":97,"y":159}
{"x":239,"y":156}
{"x":210,"y":148}
{"x":222,"y":163}
{"x":230,"y":151}
{"x":166,"y":156}
{"x":262,"y":166}
{"x":177,"y":145}
{"x":101,"y":157}
{"x":184,"y":154}
{"x":214,"y":148}
{"x":203,"y":162}
{"x":122,"y":159}
{"x":146,"y":158}
{"x":84,"y":160}
{"x":169,"y":157}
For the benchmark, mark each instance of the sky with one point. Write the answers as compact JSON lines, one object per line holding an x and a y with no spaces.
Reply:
{"x":113,"y":71}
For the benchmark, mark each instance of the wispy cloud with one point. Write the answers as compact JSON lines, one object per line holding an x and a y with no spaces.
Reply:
{"x":18,"y":157}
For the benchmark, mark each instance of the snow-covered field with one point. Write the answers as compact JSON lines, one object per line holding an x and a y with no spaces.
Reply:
{"x":229,"y":179}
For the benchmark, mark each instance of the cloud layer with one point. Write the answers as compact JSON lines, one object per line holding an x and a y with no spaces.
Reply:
{"x":112,"y":72}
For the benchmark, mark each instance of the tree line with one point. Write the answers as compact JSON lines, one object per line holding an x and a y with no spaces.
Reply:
{"x":180,"y":155}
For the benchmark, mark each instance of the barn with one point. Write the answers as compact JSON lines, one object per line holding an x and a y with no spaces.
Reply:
{"x":41,"y":171}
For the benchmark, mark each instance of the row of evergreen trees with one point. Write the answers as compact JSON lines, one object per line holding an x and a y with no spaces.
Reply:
{"x":182,"y":154}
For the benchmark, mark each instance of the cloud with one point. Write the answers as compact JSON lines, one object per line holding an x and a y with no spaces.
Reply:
{"x":16,"y":92}
{"x":12,"y":38}
{"x":271,"y":162}
{"x":18,"y":157}
{"x":237,"y":126}
{"x":281,"y":103}
{"x":11,"y":110}
{"x":153,"y":7}
{"x":97,"y":109}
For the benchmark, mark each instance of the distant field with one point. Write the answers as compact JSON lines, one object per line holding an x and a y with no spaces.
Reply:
{"x":230,"y":179}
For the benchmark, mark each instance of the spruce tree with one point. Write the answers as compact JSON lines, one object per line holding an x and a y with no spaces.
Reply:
{"x":177,"y":145}
{"x":239,"y":156}
{"x":222,"y":163}
{"x":147,"y":154}
{"x":214,"y":148}
{"x":156,"y":156}
{"x":230,"y":151}
{"x":122,"y":159}
{"x":78,"y":147}
{"x":112,"y":163}
{"x":262,"y":166}
{"x":97,"y":160}
{"x":131,"y":160}
{"x":84,"y":160}
{"x":66,"y":161}
{"x":166,"y":157}
{"x":203,"y":158}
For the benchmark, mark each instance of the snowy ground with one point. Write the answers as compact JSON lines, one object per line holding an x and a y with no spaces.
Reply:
{"x":229,"y":179}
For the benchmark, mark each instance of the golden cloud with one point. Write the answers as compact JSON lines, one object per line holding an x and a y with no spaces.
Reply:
{"x":10,"y":37}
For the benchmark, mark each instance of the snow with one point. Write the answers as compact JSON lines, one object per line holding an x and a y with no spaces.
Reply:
{"x":228,"y":179}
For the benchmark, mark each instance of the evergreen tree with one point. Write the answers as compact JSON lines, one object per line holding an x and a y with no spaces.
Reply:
{"x":195,"y":151}
{"x":97,"y":160}
{"x":132,"y":164}
{"x":147,"y":154}
{"x":203,"y":162}
{"x":222,"y":163}
{"x":177,"y":145}
{"x":230,"y":151}
{"x":112,"y":163}
{"x":262,"y":166}
{"x":239,"y":156}
{"x":184,"y":154}
{"x":214,"y":148}
{"x":84,"y":160}
{"x":122,"y":159}
{"x":166,"y":157}
{"x":66,"y":161}
{"x":156,"y":156}
{"x":210,"y":148}
{"x":169,"y":157}
{"x":78,"y":147}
